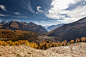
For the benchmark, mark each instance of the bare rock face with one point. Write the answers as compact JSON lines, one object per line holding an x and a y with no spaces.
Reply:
{"x":73,"y":50}
{"x":70,"y":31}
{"x":18,"y":25}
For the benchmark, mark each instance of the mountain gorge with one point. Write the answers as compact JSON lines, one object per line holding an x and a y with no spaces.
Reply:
{"x":18,"y":25}
{"x":70,"y":31}
{"x":53,"y":27}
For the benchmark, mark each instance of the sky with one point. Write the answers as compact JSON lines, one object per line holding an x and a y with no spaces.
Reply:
{"x":43,"y":12}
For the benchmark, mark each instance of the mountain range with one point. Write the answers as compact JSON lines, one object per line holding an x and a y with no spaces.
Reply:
{"x":18,"y":25}
{"x":67,"y":32}
{"x":70,"y":31}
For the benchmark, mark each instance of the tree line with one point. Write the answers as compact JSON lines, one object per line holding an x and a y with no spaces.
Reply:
{"x":44,"y":45}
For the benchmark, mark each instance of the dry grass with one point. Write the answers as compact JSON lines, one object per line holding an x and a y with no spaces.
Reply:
{"x":73,"y":50}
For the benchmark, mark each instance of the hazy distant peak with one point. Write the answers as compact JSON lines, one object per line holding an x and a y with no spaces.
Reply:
{"x":17,"y":21}
{"x":53,"y":27}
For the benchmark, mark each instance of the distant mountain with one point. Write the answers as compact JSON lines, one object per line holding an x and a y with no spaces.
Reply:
{"x":70,"y":31}
{"x":53,"y":27}
{"x":18,"y":25}
{"x":46,"y":27}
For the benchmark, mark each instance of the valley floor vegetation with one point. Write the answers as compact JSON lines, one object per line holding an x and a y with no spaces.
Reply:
{"x":19,"y":37}
{"x":44,"y":45}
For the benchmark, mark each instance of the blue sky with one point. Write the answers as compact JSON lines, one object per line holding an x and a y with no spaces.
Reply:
{"x":43,"y":12}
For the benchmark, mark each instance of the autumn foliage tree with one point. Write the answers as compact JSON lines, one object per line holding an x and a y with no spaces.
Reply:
{"x":77,"y":40}
{"x":64,"y":43}
{"x":72,"y":41}
{"x":83,"y":39}
{"x":19,"y":37}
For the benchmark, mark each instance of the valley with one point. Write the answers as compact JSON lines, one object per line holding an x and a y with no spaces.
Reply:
{"x":66,"y":40}
{"x":67,"y":32}
{"x":42,"y":28}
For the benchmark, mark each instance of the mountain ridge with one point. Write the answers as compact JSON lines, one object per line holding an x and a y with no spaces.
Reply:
{"x":70,"y":31}
{"x":18,"y":25}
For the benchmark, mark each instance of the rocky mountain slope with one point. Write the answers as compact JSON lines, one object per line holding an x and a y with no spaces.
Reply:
{"x":18,"y":25}
{"x":73,"y":50}
{"x":70,"y":31}
{"x":53,"y":27}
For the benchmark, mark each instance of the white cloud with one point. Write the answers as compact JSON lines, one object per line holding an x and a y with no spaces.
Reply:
{"x":78,"y":12}
{"x":42,"y":21}
{"x":58,"y":7}
{"x":68,"y":20}
{"x":3,"y":7}
{"x":36,"y":21}
{"x":58,"y":10}
{"x":20,"y":16}
{"x":16,"y":20}
{"x":27,"y":5}
{"x":50,"y":20}
{"x":83,"y":2}
{"x":47,"y":24}
{"x":17,"y":13}
{"x":75,"y":14}
{"x":38,"y":9}
{"x":3,"y":15}
{"x":0,"y":20}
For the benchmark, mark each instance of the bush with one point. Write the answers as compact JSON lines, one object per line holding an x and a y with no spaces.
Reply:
{"x":5,"y":44}
{"x":64,"y":43}
{"x":68,"y":43}
{"x":77,"y":40}
{"x":83,"y":39}
{"x":9,"y":42}
{"x":1,"y":43}
{"x":18,"y":55}
{"x":72,"y":41}
{"x":29,"y":53}
{"x":0,"y":54}
{"x":44,"y":45}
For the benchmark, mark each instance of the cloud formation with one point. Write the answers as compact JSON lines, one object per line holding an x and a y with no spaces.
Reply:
{"x":26,"y":4}
{"x":20,"y":16}
{"x":59,"y":10}
{"x":17,"y":13}
{"x":38,"y":9}
{"x":3,"y":15}
{"x":3,"y":7}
